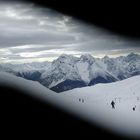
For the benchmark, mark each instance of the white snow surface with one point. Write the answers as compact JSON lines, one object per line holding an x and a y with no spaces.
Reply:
{"x":96,"y":107}
{"x":97,"y":101}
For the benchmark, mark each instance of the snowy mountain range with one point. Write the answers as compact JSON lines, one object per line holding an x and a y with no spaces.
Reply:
{"x":68,"y":72}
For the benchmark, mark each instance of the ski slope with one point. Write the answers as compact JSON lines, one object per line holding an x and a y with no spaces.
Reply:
{"x":97,"y":100}
{"x":96,"y":107}
{"x":125,"y":93}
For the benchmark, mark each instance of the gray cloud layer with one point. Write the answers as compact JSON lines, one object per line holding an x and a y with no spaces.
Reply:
{"x":30,"y":33}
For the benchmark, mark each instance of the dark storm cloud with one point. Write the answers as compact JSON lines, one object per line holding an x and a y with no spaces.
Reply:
{"x":34,"y":37}
{"x":30,"y":32}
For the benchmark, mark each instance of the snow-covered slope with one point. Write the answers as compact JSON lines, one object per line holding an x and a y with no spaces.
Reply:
{"x":97,"y":100}
{"x":120,"y":92}
{"x":69,"y":72}
{"x":96,"y":107}
{"x":34,"y":89}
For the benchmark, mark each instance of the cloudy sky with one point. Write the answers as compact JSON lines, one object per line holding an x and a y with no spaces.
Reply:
{"x":30,"y":33}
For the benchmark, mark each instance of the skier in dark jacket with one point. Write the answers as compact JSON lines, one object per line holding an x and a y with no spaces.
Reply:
{"x":134,"y":108}
{"x":113,"y":104}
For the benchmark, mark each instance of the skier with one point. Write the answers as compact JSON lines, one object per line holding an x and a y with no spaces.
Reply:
{"x":113,"y":104}
{"x":134,"y":108}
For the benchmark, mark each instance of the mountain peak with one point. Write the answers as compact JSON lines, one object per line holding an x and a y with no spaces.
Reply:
{"x":106,"y":57}
{"x":132,"y":55}
{"x":86,"y":57}
{"x":65,"y":55}
{"x":65,"y":58}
